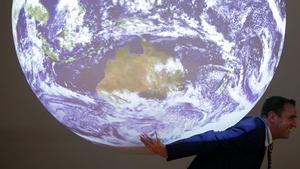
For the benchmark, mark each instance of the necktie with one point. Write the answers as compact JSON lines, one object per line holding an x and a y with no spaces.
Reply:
{"x":270,"y":148}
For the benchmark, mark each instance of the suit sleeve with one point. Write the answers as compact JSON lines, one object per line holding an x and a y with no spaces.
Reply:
{"x":241,"y":137}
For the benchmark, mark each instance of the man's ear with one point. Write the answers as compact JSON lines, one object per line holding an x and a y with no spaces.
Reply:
{"x":272,"y":116}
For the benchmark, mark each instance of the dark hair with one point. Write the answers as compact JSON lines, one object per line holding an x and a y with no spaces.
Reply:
{"x":275,"y":104}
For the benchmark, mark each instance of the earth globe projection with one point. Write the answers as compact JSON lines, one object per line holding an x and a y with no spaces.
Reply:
{"x":110,"y":70}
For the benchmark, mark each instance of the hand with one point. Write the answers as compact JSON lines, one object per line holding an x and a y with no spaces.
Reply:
{"x":154,"y":145}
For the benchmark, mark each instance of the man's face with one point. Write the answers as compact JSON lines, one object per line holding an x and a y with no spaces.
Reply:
{"x":283,"y":124}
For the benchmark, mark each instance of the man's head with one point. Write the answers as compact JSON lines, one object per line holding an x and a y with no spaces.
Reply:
{"x":281,"y":115}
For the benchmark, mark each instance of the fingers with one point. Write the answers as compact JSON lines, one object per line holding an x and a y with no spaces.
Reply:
{"x":156,"y":135}
{"x":148,"y":141}
{"x":157,"y":138}
{"x":153,"y":145}
{"x":145,"y":138}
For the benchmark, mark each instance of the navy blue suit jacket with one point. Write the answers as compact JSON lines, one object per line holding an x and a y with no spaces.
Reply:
{"x":241,"y":146}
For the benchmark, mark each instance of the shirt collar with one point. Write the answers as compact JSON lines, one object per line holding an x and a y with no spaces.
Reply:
{"x":268,"y":139}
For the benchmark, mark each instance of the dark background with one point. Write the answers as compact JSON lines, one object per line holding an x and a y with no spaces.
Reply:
{"x":30,"y":138}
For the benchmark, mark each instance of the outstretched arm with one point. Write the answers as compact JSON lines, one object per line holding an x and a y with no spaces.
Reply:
{"x":245,"y":136}
{"x":154,"y":145}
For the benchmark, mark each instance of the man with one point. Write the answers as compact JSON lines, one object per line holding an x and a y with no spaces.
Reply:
{"x":241,"y":146}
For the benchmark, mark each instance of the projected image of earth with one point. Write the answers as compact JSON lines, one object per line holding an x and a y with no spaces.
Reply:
{"x":112,"y":70}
